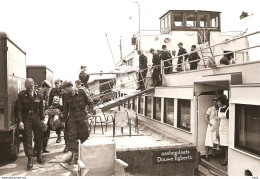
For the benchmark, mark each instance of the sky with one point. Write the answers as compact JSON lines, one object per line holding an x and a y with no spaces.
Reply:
{"x":65,"y":34}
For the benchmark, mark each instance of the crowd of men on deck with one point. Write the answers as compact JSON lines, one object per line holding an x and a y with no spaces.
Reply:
{"x":63,"y":108}
{"x":165,"y":56}
{"x":186,"y":61}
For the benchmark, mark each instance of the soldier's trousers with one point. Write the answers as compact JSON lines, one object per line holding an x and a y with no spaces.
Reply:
{"x":156,"y":76}
{"x":46,"y":136}
{"x":141,"y":77}
{"x":31,"y":124}
{"x":78,"y":129}
{"x":66,"y":133}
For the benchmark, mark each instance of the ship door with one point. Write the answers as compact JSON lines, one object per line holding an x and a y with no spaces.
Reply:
{"x":205,"y":92}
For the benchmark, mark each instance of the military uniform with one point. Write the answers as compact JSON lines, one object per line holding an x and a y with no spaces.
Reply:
{"x":193,"y":57}
{"x":46,"y":134}
{"x":55,"y":92}
{"x":143,"y":73}
{"x":75,"y":115}
{"x":84,"y":78}
{"x":165,"y":55}
{"x":182,"y":51}
{"x":156,"y":76}
{"x":30,"y":113}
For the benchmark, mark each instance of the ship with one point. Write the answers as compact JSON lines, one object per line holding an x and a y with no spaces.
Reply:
{"x":178,"y":107}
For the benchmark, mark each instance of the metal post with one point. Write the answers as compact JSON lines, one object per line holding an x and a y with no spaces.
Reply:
{"x":139,"y":46}
{"x":143,"y":78}
{"x":139,"y":26}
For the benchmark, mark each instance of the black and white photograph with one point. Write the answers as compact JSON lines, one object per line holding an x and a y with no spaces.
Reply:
{"x":129,"y":88}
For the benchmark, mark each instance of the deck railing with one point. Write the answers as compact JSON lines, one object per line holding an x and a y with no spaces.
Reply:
{"x":212,"y":58}
{"x":114,"y":88}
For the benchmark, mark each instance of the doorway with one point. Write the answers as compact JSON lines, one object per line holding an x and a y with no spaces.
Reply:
{"x":205,"y":92}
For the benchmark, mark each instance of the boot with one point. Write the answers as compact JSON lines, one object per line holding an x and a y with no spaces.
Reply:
{"x":45,"y":144}
{"x":74,"y":159}
{"x":66,"y":149}
{"x":40,"y":159}
{"x":30,"y":163}
{"x":58,"y":139}
{"x":34,"y":153}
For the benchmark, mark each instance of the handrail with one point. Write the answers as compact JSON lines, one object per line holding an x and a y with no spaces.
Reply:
{"x":162,"y":62}
{"x":214,"y":56}
{"x":213,"y":46}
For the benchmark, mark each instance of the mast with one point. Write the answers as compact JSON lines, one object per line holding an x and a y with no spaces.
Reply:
{"x":121,"y":50}
{"x":110,"y":50}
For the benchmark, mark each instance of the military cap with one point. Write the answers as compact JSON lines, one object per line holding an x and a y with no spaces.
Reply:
{"x":164,"y":46}
{"x":140,"y":51}
{"x":83,"y":67}
{"x":57,"y":81}
{"x":66,"y":84}
{"x":193,"y":46}
{"x":46,"y":83}
{"x":28,"y":83}
{"x":78,"y":81}
{"x":180,"y":43}
{"x":151,"y":50}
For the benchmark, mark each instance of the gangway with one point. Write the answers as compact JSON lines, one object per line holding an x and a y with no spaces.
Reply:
{"x":116,"y":102}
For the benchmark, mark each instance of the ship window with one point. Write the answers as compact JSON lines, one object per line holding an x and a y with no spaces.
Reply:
{"x":184,"y":114}
{"x":191,"y":20}
{"x":162,"y":24}
{"x":203,"y":20}
{"x":157,"y":108}
{"x":168,"y":111}
{"x":141,"y":105}
{"x":177,"y":20}
{"x":213,"y":20}
{"x":166,"y":22}
{"x":129,"y":104}
{"x":247,"y":128}
{"x":169,"y":22}
{"x":129,"y":62}
{"x":133,"y":106}
{"x":148,"y":106}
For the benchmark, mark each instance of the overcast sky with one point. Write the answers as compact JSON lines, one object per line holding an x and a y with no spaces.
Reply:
{"x":65,"y":34}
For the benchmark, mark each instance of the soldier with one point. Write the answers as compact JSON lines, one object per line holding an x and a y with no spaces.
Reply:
{"x":56,"y":92}
{"x":143,"y":70}
{"x":165,"y":55}
{"x":78,"y":84}
{"x":193,"y":58}
{"x":83,"y":76}
{"x":64,"y":123}
{"x":182,"y":51}
{"x":156,"y":76}
{"x":75,"y":114}
{"x":30,"y":117}
{"x":45,"y":89}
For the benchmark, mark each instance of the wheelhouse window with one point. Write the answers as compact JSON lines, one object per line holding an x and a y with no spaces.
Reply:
{"x":141,"y":105}
{"x":157,"y":108}
{"x":191,"y":20}
{"x":214,"y":20}
{"x":203,"y":20}
{"x":148,"y":106}
{"x":247,"y":128}
{"x":168,"y":111}
{"x":162,"y":25}
{"x":177,"y":20}
{"x":183,"y":119}
{"x":169,"y":22}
